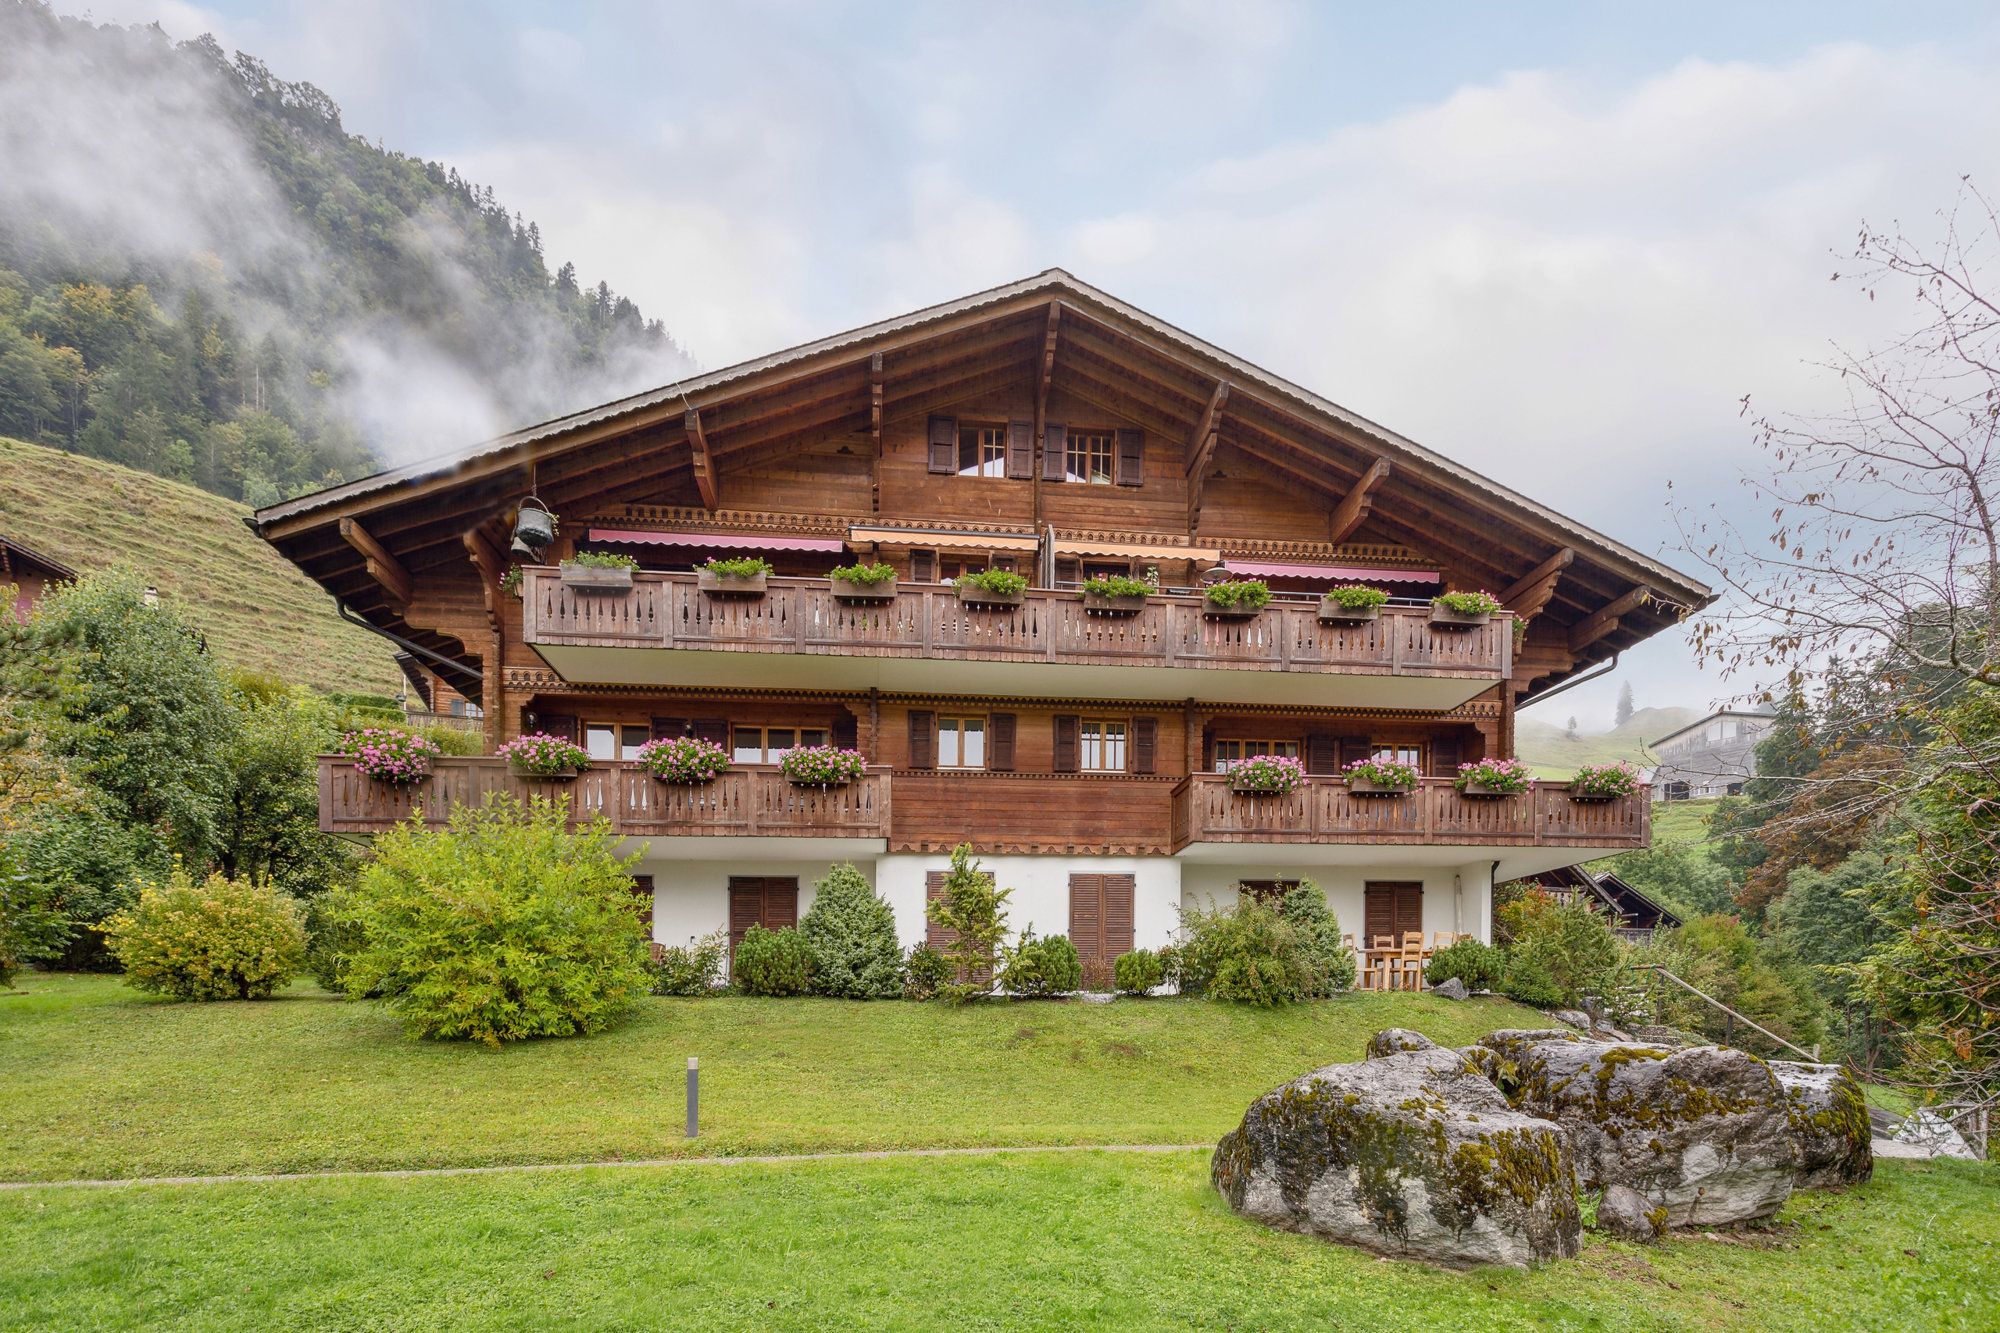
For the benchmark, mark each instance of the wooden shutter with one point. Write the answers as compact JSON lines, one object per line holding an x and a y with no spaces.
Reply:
{"x":923,"y":566}
{"x":1444,"y":756}
{"x":561,"y":725}
{"x":1021,"y":450}
{"x":714,"y":729}
{"x":1322,"y":753}
{"x":1100,"y":922}
{"x":667,"y":728}
{"x":1131,"y":468}
{"x":1068,"y":742}
{"x":1055,"y":451}
{"x":1145,"y":744}
{"x":1000,"y":742}
{"x":1353,"y":748}
{"x":944,"y":444}
{"x":923,"y":738}
{"x":769,"y":901}
{"x":845,"y":731}
{"x":1068,"y":569}
{"x":1392,"y":909}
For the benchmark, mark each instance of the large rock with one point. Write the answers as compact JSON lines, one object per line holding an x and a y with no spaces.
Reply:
{"x":1410,"y":1154}
{"x":1630,"y":1215}
{"x":1830,"y":1118}
{"x":1705,"y":1132}
{"x":1451,"y":988}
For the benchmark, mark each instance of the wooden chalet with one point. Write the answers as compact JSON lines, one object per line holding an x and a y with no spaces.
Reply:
{"x":1043,"y":427}
{"x":29,"y":573}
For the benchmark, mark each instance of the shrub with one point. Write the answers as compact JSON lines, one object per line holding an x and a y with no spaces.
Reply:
{"x":773,"y":962}
{"x":925,"y":973}
{"x":1480,"y":966}
{"x":1329,"y":963}
{"x":540,"y":755}
{"x":822,"y":765}
{"x":1005,"y":582}
{"x":868,"y":576}
{"x":741,"y":566}
{"x":331,"y":939}
{"x":388,"y":754}
{"x":1355,"y":596}
{"x":505,"y":924}
{"x":1385,"y":773}
{"x":221,"y":939}
{"x":1040,"y":967}
{"x":1569,"y":944}
{"x":688,"y":760}
{"x":691,"y":970}
{"x":1508,"y":776}
{"x":602,"y":560}
{"x":1138,"y":972}
{"x":1244,"y":953}
{"x":1274,"y":773}
{"x":1115,"y":585}
{"x":973,"y":909}
{"x":1468,"y":603}
{"x":1620,"y":779}
{"x":1528,"y":981}
{"x":1254,"y":594}
{"x":852,"y":935}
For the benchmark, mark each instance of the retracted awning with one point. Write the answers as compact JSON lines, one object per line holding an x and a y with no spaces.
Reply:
{"x":1131,"y":551}
{"x":1274,"y":571}
{"x":717,"y":541}
{"x":943,"y":540}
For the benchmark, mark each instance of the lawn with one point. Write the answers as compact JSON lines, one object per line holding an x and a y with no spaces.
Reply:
{"x":101,"y":1082}
{"x":1020,"y":1241}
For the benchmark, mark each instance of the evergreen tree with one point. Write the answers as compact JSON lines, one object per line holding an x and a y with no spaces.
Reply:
{"x":1625,"y":709}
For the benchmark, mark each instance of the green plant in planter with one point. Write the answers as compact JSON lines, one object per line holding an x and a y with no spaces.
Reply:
{"x":1242,"y":594}
{"x":510,"y":582}
{"x":540,"y":755}
{"x":602,"y":560}
{"x":1507,"y":777}
{"x":1468,"y":603}
{"x":1116,"y":585}
{"x":1004,"y":582}
{"x":866,"y":576}
{"x":740,"y":566}
{"x":1356,"y":596}
{"x":1604,"y":780}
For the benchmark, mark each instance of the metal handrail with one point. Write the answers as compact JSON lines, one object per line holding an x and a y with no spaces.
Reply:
{"x":1733,"y":1015}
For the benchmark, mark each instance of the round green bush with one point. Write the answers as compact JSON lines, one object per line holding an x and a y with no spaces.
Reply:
{"x":1137,"y":972}
{"x":693,"y":970}
{"x":504,"y":925}
{"x":1246,"y":953}
{"x":1480,"y":966}
{"x":773,"y":962}
{"x":852,"y":935}
{"x":221,"y":939}
{"x":1041,"y":967}
{"x":925,"y":972}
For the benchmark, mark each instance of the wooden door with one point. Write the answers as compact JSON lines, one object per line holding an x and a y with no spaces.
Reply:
{"x":768,"y":901}
{"x":1100,"y":922}
{"x":1392,"y":909}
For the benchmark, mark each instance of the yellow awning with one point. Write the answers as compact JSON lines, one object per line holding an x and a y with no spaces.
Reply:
{"x":1118,"y":550}
{"x":946,"y":541}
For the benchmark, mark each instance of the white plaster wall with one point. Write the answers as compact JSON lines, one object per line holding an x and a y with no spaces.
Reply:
{"x":1041,"y":891}
{"x":1456,"y":898}
{"x":691,"y":898}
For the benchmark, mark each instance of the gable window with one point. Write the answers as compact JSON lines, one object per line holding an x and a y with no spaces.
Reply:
{"x":767,"y":745}
{"x":982,"y":451}
{"x":614,"y":740}
{"x":1088,"y":457}
{"x":1230,"y":751}
{"x":961,"y":742}
{"x":1101,"y":745}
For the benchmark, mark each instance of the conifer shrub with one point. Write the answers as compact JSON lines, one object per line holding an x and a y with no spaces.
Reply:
{"x":773,"y":962}
{"x":1138,"y":972}
{"x":925,"y":973}
{"x":220,"y":939}
{"x":1035,"y":968}
{"x":1480,"y":966}
{"x":973,"y":908}
{"x":1329,"y":963}
{"x":852,"y":935}
{"x":1245,"y":953}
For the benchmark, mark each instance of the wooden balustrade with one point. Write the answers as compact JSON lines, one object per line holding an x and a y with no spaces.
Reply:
{"x":1436,"y":813}
{"x":755,"y":801}
{"x":797,"y":615}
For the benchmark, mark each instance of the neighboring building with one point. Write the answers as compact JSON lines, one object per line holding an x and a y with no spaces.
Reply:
{"x":429,"y":701}
{"x":1712,"y":757}
{"x":1631,"y":913}
{"x":29,"y":573}
{"x":1047,"y":428}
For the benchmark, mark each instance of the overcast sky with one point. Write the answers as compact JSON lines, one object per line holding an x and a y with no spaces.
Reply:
{"x":1559,"y":247}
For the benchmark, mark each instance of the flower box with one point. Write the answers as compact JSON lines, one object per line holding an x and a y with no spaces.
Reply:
{"x":822,"y":766}
{"x":596,"y":578}
{"x":1369,"y":787}
{"x":540,"y":757}
{"x":1102,"y":604}
{"x":1246,"y":786}
{"x":524,"y":769}
{"x":1212,"y":611}
{"x":1266,"y":775}
{"x":973,"y":595}
{"x":683,"y":761}
{"x":730,"y":585}
{"x":846,"y":590}
{"x":1333,"y":613}
{"x":1592,"y":797}
{"x":1446,"y":618}
{"x":1485,"y":792}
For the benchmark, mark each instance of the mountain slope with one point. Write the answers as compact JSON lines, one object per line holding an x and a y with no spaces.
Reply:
{"x":1550,"y":753}
{"x":258,"y":611}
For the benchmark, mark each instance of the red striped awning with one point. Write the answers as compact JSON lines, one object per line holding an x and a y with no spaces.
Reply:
{"x":1328,"y":573}
{"x":718,"y":541}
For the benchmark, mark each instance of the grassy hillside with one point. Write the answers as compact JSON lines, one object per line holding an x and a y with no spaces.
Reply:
{"x":1539,"y":739}
{"x":258,"y":611}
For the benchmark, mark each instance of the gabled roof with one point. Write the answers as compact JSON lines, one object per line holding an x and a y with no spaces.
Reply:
{"x":1748,"y":714}
{"x":51,"y":566}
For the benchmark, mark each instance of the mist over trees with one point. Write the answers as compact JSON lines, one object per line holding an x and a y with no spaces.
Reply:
{"x":203,"y":275}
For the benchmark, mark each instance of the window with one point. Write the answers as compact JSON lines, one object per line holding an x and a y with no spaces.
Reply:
{"x":961,"y":742}
{"x":1107,"y":569}
{"x":950,"y":567}
{"x":1228,"y":752}
{"x":614,"y":740}
{"x":1401,"y":754}
{"x":1088,"y":457}
{"x":767,"y":745}
{"x":1102,"y":745}
{"x":982,"y":451}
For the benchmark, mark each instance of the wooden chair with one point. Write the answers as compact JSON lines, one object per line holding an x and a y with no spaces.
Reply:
{"x":1375,"y":963}
{"x":1409,"y":964}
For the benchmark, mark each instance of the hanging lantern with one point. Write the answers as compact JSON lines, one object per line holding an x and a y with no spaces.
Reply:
{"x":534,"y":529}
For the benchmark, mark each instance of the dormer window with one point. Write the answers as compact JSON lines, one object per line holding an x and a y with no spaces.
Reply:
{"x":982,"y":450}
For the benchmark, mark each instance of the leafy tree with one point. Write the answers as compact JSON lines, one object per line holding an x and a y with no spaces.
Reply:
{"x":1828,"y":922}
{"x":1719,"y":956}
{"x":1686,"y":880}
{"x":1567,"y":943}
{"x":973,"y":909}
{"x":270,"y":824}
{"x":852,"y":935}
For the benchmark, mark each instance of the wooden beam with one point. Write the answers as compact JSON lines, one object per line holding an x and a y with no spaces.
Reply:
{"x":490,"y":566}
{"x":1072,"y":380}
{"x":1359,"y":502}
{"x":704,"y":466}
{"x":1588,"y":631}
{"x":1039,"y":441}
{"x":875,"y":433}
{"x":384,"y":568}
{"x":1201,"y":446}
{"x":1529,"y":594}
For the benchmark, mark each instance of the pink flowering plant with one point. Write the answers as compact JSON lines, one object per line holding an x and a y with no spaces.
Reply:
{"x":822,"y":765}
{"x":1384,"y":773}
{"x":685,"y":761}
{"x":540,"y":755}
{"x":1505,"y":777}
{"x":1272,"y":774}
{"x":387,"y":754}
{"x":1605,"y":780}
{"x":1468,"y":603}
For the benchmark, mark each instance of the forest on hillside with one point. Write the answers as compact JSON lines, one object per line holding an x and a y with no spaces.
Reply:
{"x":205,"y":276}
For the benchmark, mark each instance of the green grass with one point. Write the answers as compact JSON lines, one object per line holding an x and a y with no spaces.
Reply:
{"x":101,"y":1082}
{"x":1019,"y":1241}
{"x":1541,"y":742}
{"x":258,"y":611}
{"x":1682,"y":823}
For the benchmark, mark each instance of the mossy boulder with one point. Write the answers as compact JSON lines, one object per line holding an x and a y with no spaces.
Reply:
{"x":1704,"y":1132}
{"x":1830,"y":1118}
{"x":1411,"y":1154}
{"x":1398,"y":1041}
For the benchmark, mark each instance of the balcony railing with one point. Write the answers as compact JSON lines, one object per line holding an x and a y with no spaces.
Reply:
{"x":1436,"y":813}
{"x":744,"y":802}
{"x":802,"y":616}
